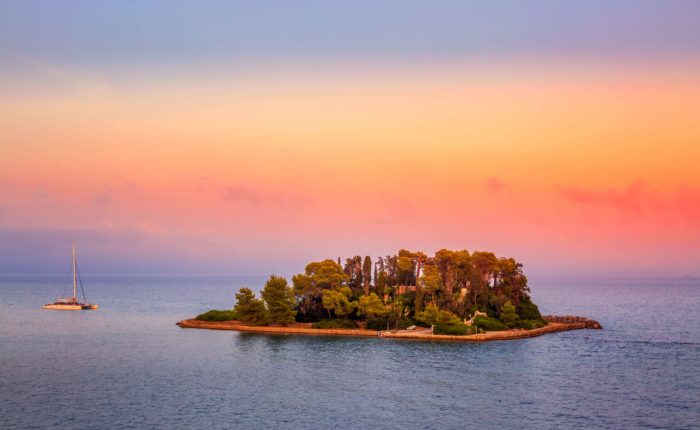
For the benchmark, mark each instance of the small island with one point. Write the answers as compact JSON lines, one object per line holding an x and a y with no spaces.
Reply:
{"x":453,"y":295}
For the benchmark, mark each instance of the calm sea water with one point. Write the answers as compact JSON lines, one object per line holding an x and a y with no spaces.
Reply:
{"x":128,"y":366}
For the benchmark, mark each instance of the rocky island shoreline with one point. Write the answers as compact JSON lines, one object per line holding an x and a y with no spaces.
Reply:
{"x":555,"y":324}
{"x":452,"y":295}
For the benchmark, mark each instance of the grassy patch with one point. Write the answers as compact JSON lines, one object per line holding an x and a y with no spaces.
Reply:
{"x":489,"y":324}
{"x":380,"y":324}
{"x":217,"y":315}
{"x":452,"y":329}
{"x":376,"y":324}
{"x":530,"y":324}
{"x":335,"y":323}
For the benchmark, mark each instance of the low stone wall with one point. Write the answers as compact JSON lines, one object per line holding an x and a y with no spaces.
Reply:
{"x":577,"y":323}
{"x":292,"y":329}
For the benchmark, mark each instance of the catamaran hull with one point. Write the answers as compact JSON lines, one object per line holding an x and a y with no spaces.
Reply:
{"x":60,"y":307}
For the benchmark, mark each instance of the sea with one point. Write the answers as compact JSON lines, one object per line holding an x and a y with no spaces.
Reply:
{"x":128,"y":366}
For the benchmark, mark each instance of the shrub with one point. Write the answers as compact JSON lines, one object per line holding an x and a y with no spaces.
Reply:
{"x":528,"y":310}
{"x":530,"y":324}
{"x":216,"y":315}
{"x":420,"y":323}
{"x":376,"y":324}
{"x":489,"y":324}
{"x":335,"y":323}
{"x":338,"y":301}
{"x":393,"y":323}
{"x":508,"y":315}
{"x":371,"y":306}
{"x":401,"y":324}
{"x":433,"y":315}
{"x":452,"y":329}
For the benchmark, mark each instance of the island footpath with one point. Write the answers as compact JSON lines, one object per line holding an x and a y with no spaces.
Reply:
{"x":453,"y":295}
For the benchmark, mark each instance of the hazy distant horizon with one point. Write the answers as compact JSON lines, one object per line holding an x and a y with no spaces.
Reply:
{"x":288,"y":275}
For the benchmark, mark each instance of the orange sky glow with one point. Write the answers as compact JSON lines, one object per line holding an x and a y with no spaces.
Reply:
{"x":569,"y":168}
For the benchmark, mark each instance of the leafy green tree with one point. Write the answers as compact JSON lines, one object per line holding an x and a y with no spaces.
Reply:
{"x":447,"y":318}
{"x":371,"y":306}
{"x":420,"y":259}
{"x":527,"y":310}
{"x":338,"y":301}
{"x":512,"y":282}
{"x":444,"y":262}
{"x":279,"y":298}
{"x":457,"y":282}
{"x":430,"y":280}
{"x":405,"y":270}
{"x":409,"y":266}
{"x":249,"y":309}
{"x":508,"y":315}
{"x":461,"y":272}
{"x":496,"y":302}
{"x":353,"y":270}
{"x":318,"y":276}
{"x":366,"y":273}
{"x":485,"y":264}
{"x":400,"y":307}
{"x":433,"y":315}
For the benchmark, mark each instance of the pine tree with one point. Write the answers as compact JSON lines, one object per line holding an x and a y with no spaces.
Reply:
{"x":371,"y":306}
{"x":249,"y":309}
{"x":279,"y":298}
{"x":338,"y":302}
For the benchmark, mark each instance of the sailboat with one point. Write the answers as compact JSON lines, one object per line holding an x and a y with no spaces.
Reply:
{"x":72,"y":303}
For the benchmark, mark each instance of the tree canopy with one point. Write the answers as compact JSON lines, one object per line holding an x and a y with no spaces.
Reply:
{"x":409,"y":286}
{"x":249,"y":309}
{"x":371,"y":306}
{"x":317,"y":277}
{"x":338,"y":301}
{"x":280,"y":301}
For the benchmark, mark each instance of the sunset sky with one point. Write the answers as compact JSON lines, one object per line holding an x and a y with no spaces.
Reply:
{"x":253,"y":137}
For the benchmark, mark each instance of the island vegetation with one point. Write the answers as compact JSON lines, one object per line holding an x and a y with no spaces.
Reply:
{"x":454,"y":292}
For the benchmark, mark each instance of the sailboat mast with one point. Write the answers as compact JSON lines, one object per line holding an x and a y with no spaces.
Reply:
{"x":75,"y":281}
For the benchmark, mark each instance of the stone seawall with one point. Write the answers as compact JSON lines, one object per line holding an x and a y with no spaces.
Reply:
{"x":588,"y":323}
{"x":565,"y":324}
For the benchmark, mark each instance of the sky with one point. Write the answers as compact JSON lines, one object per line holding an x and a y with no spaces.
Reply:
{"x":213,"y":137}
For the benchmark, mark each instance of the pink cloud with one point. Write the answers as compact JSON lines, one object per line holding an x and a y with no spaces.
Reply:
{"x":495,"y":185}
{"x":632,"y":198}
{"x":239,"y":192}
{"x":281,"y":198}
{"x":687,"y":200}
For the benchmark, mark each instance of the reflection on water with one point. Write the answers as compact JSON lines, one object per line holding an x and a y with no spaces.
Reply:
{"x":128,"y":366}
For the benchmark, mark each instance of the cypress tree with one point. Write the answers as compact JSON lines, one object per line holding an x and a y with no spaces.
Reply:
{"x":367,"y":273}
